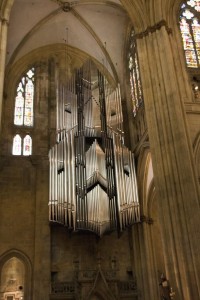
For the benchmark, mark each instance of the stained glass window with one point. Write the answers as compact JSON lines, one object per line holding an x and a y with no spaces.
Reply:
{"x":23,"y":114}
{"x":135,"y":81}
{"x":27,"y":145}
{"x":17,"y":145}
{"x":190,"y":31}
{"x":24,"y":100}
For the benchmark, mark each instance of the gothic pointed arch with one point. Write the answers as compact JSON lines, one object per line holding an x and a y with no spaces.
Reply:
{"x":137,"y":14}
{"x":24,"y":113}
{"x":98,"y":296}
{"x":155,"y":245}
{"x":16,"y":274}
{"x":144,"y":159}
{"x":100,"y":288}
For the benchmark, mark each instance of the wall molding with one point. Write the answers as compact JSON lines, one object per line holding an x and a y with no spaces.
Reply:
{"x":154,"y":28}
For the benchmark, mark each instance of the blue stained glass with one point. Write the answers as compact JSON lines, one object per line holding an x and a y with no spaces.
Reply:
{"x":190,"y":31}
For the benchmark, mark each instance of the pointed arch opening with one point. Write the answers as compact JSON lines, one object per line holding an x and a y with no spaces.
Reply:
{"x":24,"y":113}
{"x":15,"y":276}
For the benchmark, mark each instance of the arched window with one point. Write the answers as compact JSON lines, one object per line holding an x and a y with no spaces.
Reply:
{"x":134,"y":73}
{"x":17,"y":145}
{"x":27,"y":145}
{"x":23,"y":113}
{"x":24,"y":100}
{"x":15,"y":276}
{"x":190,"y":31}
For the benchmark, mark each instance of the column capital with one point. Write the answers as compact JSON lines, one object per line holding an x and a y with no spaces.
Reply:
{"x":3,"y":21}
{"x":154,"y":28}
{"x":146,"y":219}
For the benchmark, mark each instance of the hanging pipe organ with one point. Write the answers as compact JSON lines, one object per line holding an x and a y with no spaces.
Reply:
{"x":92,"y":174}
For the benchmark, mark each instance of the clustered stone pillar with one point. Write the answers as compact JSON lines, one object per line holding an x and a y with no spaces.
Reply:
{"x":146,"y":274}
{"x":173,"y":163}
{"x":3,"y":44}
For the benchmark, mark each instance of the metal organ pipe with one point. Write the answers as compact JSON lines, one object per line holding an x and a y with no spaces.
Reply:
{"x":57,"y":100}
{"x":50,"y":186}
{"x":92,"y":178}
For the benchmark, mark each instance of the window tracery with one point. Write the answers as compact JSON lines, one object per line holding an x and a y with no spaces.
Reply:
{"x":24,"y":100}
{"x":23,"y":113}
{"x":134,"y":73}
{"x":190,"y":31}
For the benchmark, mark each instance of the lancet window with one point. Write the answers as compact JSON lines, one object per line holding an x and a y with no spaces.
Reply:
{"x":27,"y":145}
{"x":23,"y":113}
{"x":17,"y":145}
{"x":134,"y":74}
{"x":24,"y":99}
{"x":190,"y":31}
{"x":22,"y":146}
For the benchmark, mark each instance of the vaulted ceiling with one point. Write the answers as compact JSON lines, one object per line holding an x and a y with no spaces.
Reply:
{"x":98,"y":28}
{"x":95,"y":27}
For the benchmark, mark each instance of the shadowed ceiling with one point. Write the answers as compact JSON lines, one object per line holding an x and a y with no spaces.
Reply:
{"x":97,"y":28}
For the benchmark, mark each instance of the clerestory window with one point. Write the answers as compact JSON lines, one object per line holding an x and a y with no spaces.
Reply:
{"x":23,"y":114}
{"x":24,"y":100}
{"x":190,"y":31}
{"x":134,"y":73}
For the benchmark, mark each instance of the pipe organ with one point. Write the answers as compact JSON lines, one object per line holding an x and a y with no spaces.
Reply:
{"x":92,"y":173}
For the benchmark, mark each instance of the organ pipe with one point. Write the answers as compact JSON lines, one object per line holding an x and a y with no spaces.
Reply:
{"x":92,"y":180}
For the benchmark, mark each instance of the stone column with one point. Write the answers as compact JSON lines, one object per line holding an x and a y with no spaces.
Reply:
{"x":41,"y":264}
{"x":146,"y":272}
{"x":173,"y":163}
{"x":42,"y":258}
{"x":3,"y":44}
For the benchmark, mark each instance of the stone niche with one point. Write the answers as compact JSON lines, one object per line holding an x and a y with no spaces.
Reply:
{"x":12,"y":280}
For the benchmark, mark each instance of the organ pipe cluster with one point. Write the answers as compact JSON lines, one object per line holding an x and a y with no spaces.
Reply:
{"x":92,"y":173}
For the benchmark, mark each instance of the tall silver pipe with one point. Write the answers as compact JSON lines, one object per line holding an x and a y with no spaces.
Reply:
{"x":122,"y":172}
{"x":69,"y":178}
{"x":65,"y":145}
{"x":53,"y":183}
{"x":61,"y":197}
{"x":117,"y":181}
{"x":118,"y":110}
{"x":58,"y":197}
{"x":57,"y":105}
{"x":68,"y":192}
{"x":63,"y":107}
{"x":50,"y":185}
{"x":56,"y":182}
